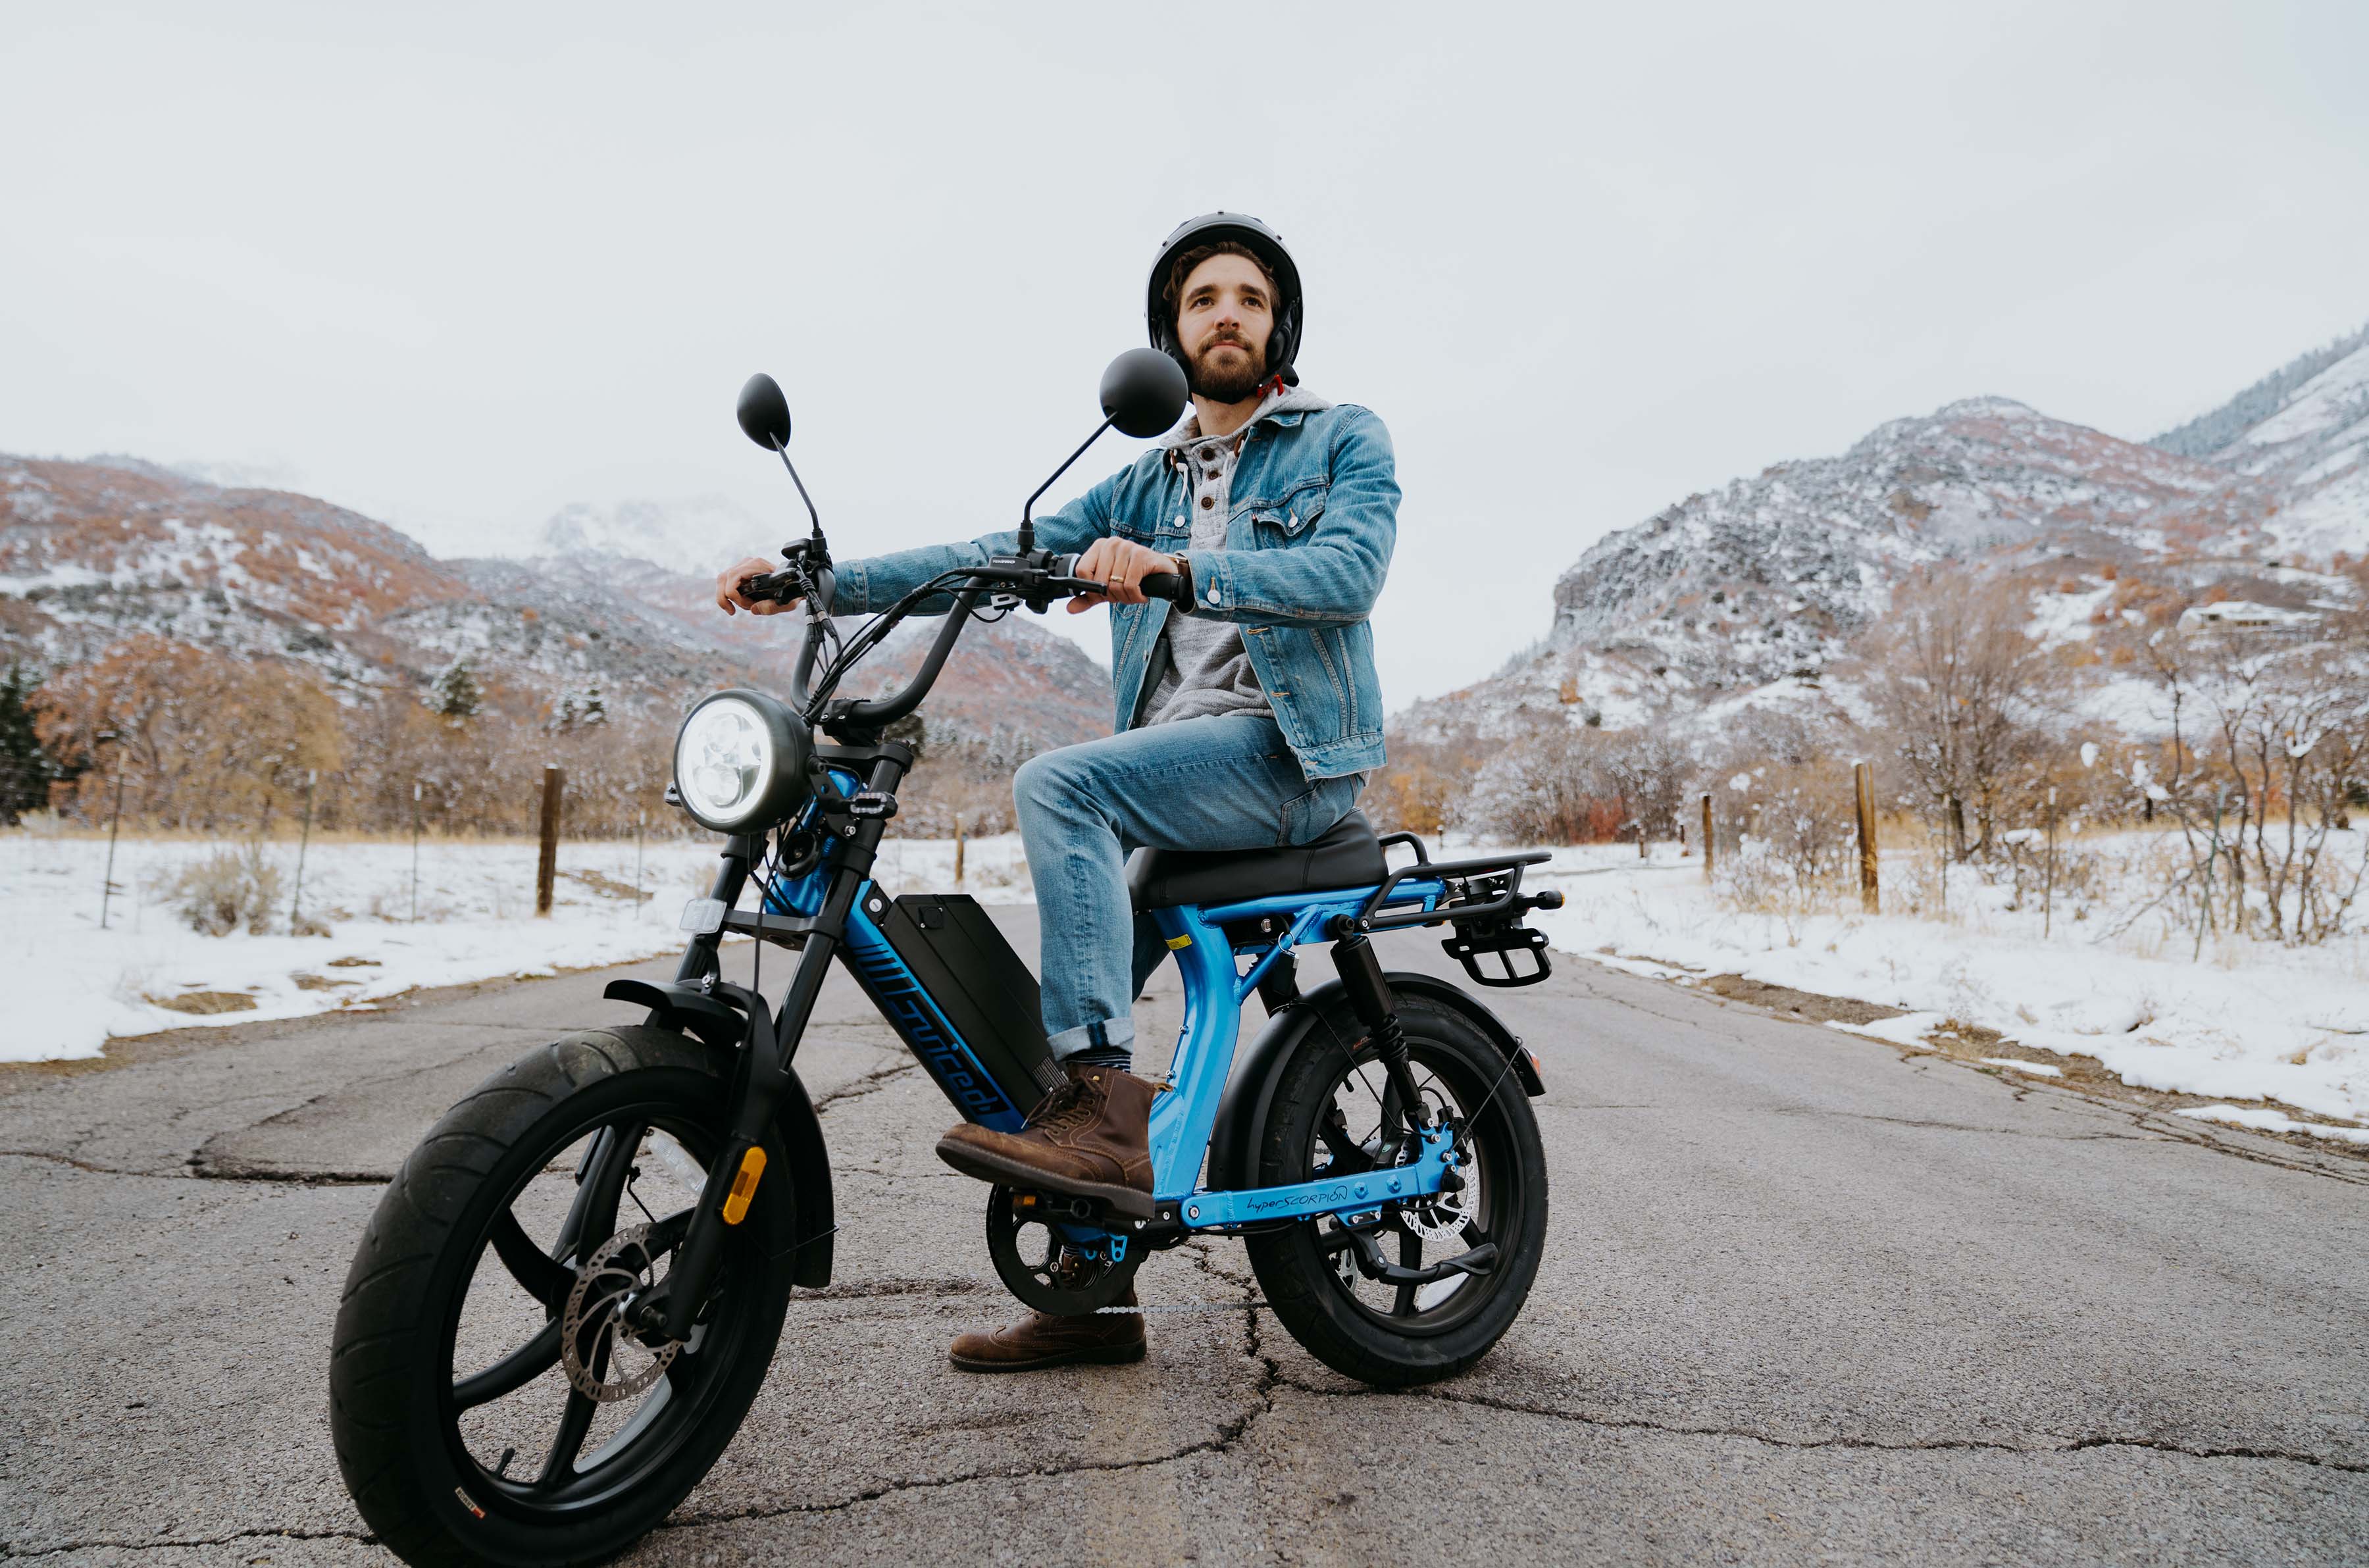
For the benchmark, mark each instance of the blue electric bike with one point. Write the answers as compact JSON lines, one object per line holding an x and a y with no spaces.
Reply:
{"x":589,"y":1259}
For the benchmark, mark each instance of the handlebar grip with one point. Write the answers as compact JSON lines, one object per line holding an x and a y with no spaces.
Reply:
{"x":764,"y":585}
{"x":1162,"y":585}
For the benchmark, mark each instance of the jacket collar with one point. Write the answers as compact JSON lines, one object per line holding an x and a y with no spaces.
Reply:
{"x":1285,"y":405}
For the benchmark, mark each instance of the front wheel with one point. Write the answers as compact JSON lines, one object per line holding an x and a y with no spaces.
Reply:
{"x":488,"y":1403}
{"x":1330,"y":1115}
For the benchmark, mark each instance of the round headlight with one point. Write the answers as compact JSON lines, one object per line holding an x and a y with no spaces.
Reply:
{"x":740,"y":762}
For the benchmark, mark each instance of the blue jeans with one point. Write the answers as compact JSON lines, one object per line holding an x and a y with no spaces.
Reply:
{"x":1223,"y":783}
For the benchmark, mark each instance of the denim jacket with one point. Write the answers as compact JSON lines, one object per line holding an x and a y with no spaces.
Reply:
{"x":1315,"y":516}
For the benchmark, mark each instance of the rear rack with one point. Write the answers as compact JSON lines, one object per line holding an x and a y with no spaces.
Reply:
{"x":1490,"y":900}
{"x":1482,"y":898}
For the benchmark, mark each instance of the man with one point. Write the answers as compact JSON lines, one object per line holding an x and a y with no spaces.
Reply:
{"x":1249,"y":721}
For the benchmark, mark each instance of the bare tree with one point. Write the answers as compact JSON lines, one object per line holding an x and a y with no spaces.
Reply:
{"x":2269,"y":746}
{"x":1964,"y":692}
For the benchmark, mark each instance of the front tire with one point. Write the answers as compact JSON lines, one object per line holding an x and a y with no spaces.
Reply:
{"x":467,"y":1253}
{"x":1326,"y":1115}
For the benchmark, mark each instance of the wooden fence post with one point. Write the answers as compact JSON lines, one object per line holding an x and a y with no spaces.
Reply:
{"x":1706,"y":836}
{"x":958,"y":849}
{"x":114,"y":826}
{"x":546,"y":869}
{"x":2048,"y":891}
{"x":296,"y":899}
{"x":1863,"y":787}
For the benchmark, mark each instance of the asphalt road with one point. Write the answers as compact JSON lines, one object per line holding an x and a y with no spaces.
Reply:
{"x":1805,"y":1300}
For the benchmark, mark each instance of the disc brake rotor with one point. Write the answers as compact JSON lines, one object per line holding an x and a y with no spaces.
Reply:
{"x":1442,"y":1219}
{"x":1443,"y":1216}
{"x":602,"y":1361}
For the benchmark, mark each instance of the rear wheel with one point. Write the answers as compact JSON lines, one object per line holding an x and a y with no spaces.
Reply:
{"x":487,"y":1401}
{"x":1329,"y":1117}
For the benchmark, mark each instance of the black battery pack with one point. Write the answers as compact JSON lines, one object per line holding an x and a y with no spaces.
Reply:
{"x":967,"y":968}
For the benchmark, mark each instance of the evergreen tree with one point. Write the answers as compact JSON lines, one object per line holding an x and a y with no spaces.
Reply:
{"x":456,"y":694}
{"x":27,"y":768}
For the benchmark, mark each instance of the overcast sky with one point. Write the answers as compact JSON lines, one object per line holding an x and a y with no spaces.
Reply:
{"x":460,"y":267}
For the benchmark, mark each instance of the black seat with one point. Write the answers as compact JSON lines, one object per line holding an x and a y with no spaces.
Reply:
{"x":1346,"y":856}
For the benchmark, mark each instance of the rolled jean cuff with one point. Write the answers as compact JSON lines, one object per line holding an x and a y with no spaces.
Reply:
{"x":1117,"y":1032}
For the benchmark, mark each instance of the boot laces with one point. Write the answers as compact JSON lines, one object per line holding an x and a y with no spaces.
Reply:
{"x":1072,"y":1105}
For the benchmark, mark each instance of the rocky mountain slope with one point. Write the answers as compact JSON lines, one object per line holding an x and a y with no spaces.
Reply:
{"x":92,"y":553}
{"x":1756,"y":589}
{"x":2303,"y":432}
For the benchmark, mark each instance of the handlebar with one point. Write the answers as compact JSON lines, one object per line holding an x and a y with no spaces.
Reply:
{"x":1059,"y":580}
{"x":1035,"y":578}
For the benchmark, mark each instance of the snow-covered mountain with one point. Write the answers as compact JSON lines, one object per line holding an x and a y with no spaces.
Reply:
{"x":2303,"y":430}
{"x":701,"y":528}
{"x":1757,"y":587}
{"x":92,"y":553}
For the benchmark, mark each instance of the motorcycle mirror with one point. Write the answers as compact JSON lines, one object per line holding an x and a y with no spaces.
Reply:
{"x":1143,"y":391}
{"x":764,"y":412}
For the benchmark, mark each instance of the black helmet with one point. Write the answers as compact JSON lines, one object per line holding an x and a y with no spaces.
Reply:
{"x":1260,"y":241}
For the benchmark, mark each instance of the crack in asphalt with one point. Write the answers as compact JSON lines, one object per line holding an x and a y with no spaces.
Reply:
{"x":204,"y":1166}
{"x":870,"y":1083}
{"x":883,"y":1288}
{"x":9,"y":1550}
{"x":1958,"y":1127}
{"x":2196,"y":1135}
{"x":1945,"y":1445}
{"x":257,"y":1176}
{"x":1229,"y":1435}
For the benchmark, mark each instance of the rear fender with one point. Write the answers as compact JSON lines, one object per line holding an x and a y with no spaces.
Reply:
{"x":720,"y":1026}
{"x":1250,"y":1089}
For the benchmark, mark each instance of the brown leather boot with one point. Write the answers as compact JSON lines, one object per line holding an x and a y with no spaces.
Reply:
{"x":1091,"y":1138}
{"x":1042,"y":1340}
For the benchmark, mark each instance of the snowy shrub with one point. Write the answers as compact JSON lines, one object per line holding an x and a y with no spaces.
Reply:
{"x":1803,"y":818}
{"x":226,"y":890}
{"x":1576,"y":783}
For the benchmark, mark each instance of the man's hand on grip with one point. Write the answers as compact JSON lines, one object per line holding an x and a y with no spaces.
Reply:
{"x":1120,"y":565}
{"x":731,"y":601}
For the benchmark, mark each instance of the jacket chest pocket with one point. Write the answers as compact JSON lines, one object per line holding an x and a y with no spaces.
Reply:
{"x":1168,"y":527}
{"x":1294,"y":514}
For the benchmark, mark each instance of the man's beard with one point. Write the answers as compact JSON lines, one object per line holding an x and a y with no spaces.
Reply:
{"x":1231,"y":384}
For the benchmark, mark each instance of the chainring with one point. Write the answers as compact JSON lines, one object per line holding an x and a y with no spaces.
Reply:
{"x":608,"y":1279}
{"x":1066,"y":1281}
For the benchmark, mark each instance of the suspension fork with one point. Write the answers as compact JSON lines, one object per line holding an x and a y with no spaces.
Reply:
{"x":763,"y":1077}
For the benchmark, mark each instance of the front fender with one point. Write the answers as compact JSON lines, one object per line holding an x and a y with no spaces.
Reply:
{"x":720,"y":1027}
{"x":1250,"y":1089}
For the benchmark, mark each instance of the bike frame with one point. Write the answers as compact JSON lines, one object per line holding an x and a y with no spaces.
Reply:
{"x":834,"y":909}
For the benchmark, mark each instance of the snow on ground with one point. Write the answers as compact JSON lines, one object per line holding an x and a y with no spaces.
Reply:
{"x":2263,"y":1119}
{"x":475,"y":921}
{"x":2252,"y":1020}
{"x":2249,"y":1021}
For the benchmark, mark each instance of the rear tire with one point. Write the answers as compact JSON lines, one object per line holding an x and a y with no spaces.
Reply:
{"x":1418,"y":1337}
{"x":406,"y":1456}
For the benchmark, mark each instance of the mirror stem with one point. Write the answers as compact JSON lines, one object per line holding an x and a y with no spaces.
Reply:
{"x":812,"y":516}
{"x":1027,"y":523}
